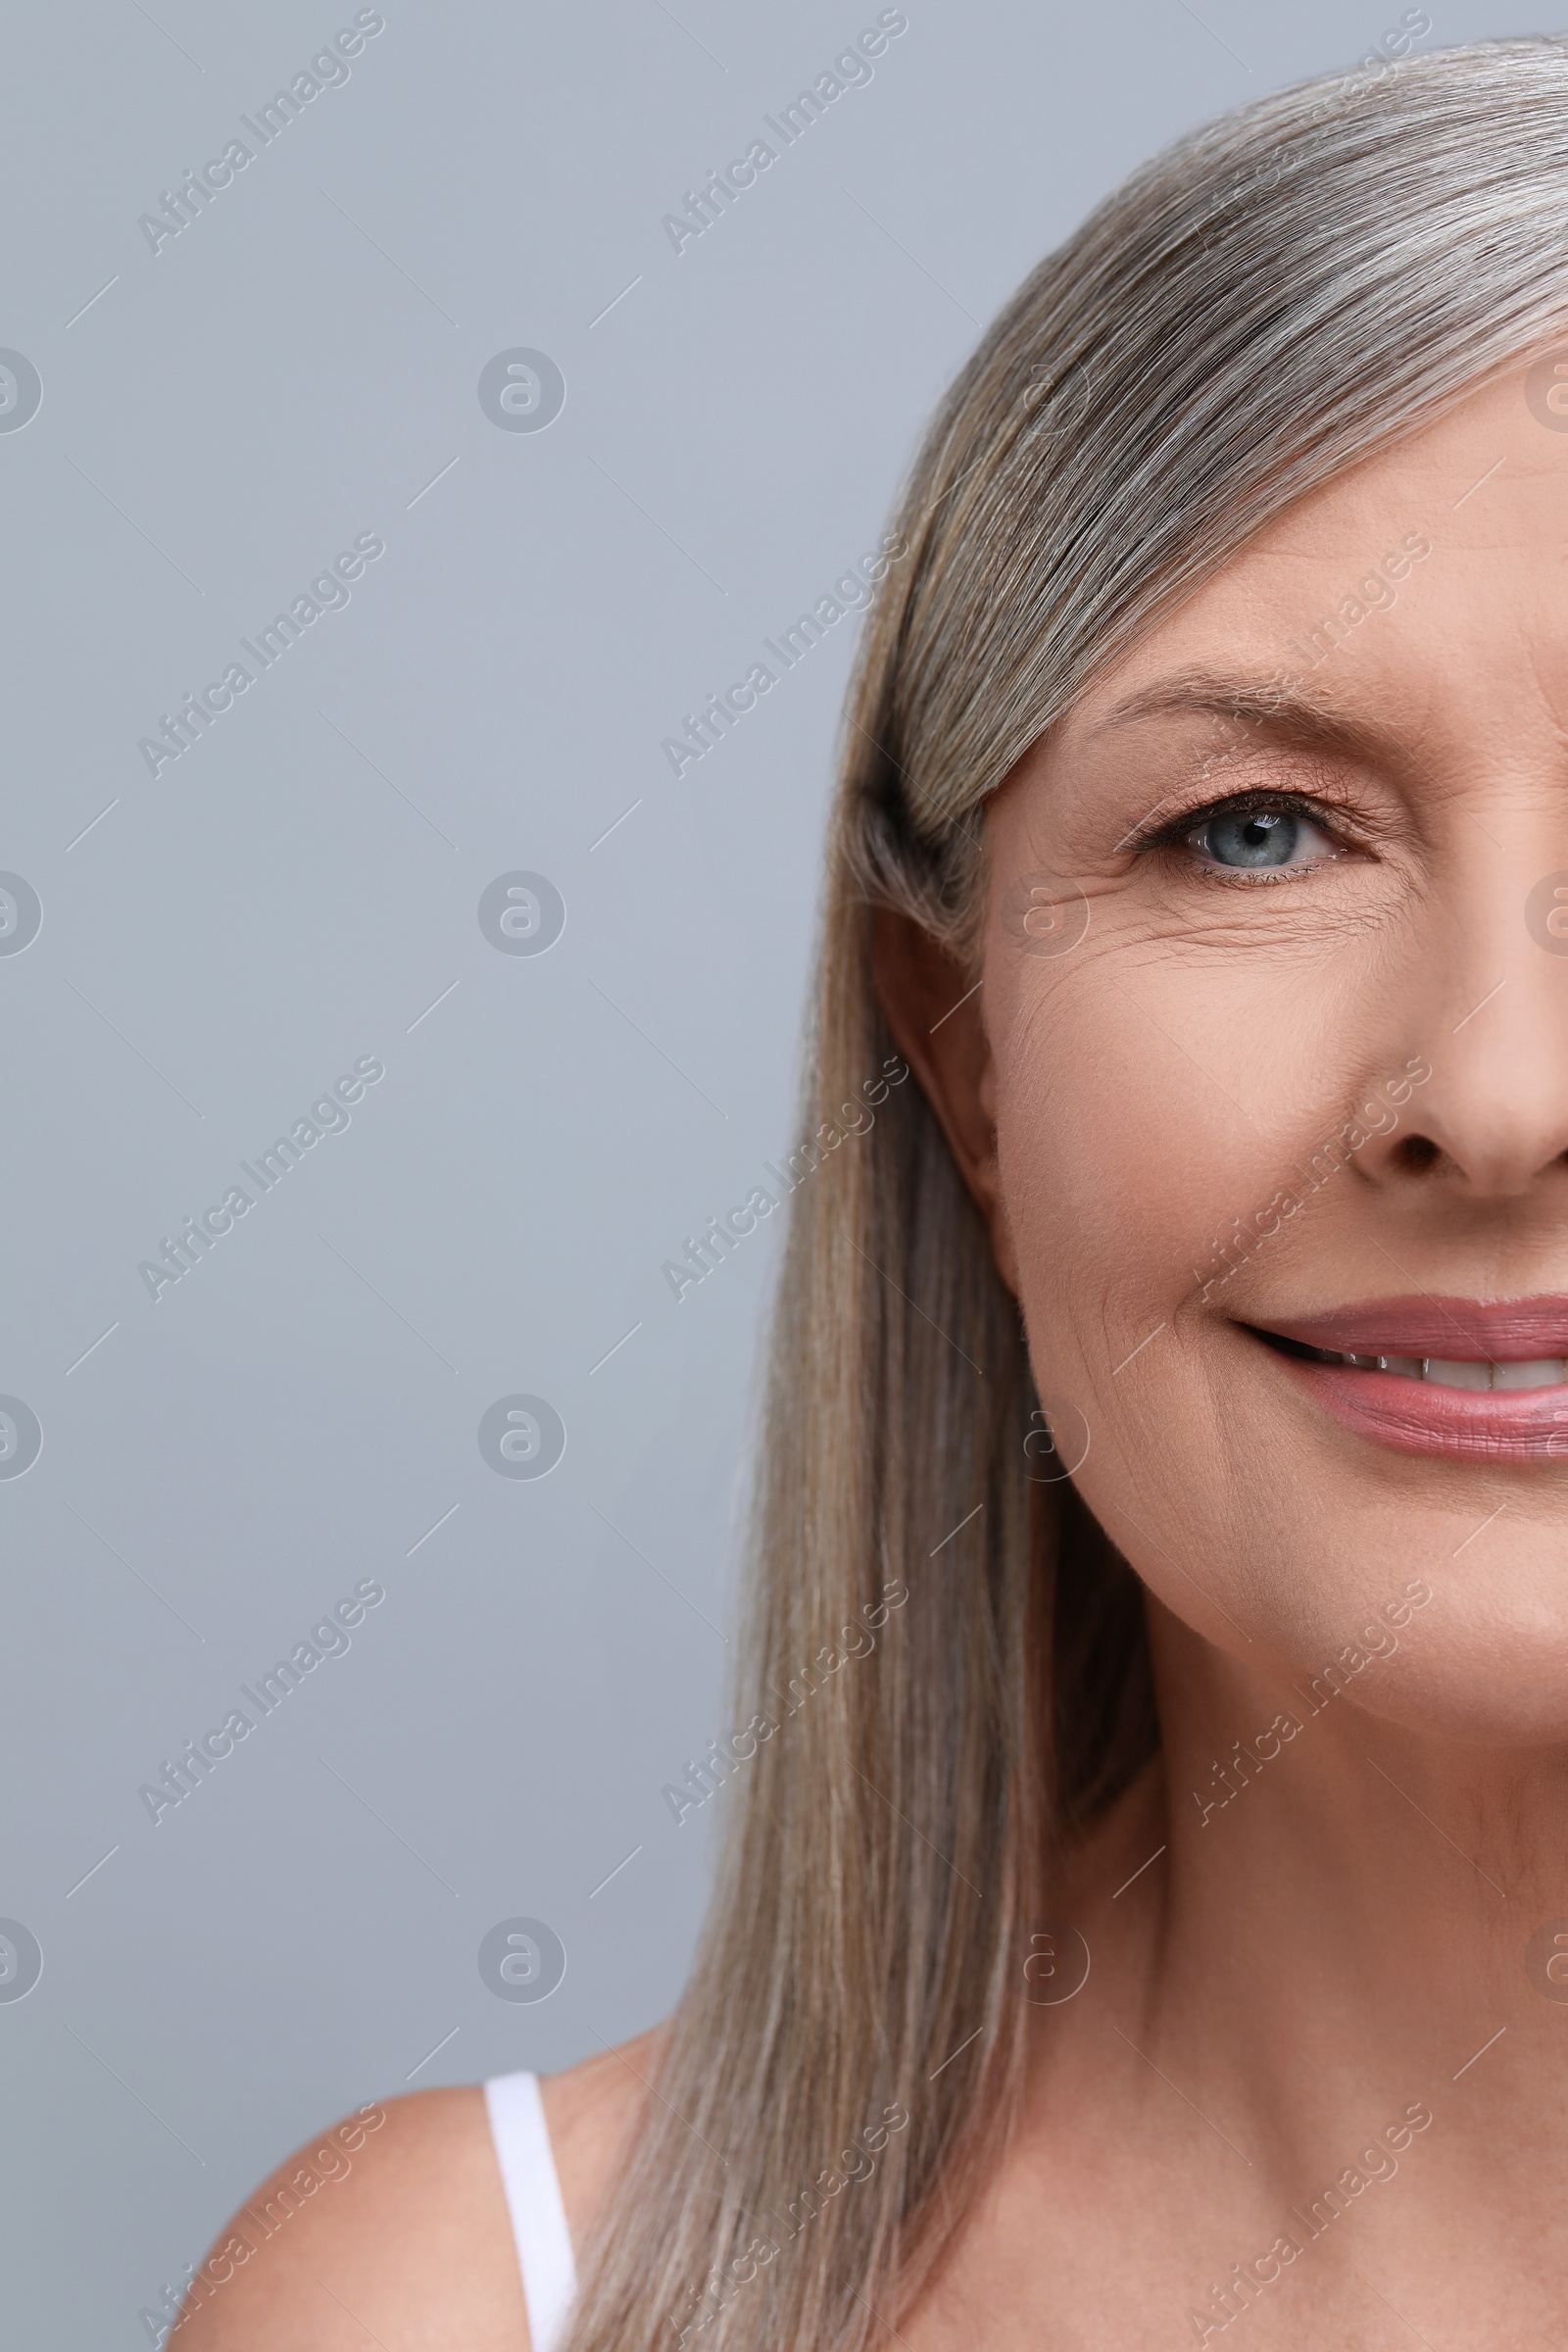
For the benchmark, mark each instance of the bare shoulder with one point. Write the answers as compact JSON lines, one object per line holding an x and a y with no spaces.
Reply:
{"x":394,"y":2223}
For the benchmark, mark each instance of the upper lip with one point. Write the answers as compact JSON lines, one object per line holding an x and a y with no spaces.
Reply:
{"x":1479,"y":1330}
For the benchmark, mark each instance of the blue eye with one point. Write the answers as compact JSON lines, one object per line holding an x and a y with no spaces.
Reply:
{"x":1259,"y":840}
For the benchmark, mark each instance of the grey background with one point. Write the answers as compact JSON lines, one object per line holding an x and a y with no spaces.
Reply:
{"x":300,"y":888}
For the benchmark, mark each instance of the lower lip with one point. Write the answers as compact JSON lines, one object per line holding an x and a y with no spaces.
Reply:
{"x":1419,"y":1416}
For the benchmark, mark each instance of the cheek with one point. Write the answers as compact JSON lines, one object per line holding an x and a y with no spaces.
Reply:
{"x":1145,"y":1102}
{"x":1163,"y":1083}
{"x":1144,"y":1106}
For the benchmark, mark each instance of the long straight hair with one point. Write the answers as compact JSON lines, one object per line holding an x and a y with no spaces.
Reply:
{"x":1282,"y":293}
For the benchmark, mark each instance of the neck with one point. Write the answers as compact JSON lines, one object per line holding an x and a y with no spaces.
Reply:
{"x":1350,"y":1919}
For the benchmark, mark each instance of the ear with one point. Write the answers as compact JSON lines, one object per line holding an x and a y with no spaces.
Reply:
{"x":932,"y":1004}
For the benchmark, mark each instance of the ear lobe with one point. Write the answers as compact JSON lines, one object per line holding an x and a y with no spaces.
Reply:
{"x":932,"y":1004}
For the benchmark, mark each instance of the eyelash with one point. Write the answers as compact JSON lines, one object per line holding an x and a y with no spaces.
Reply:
{"x":1176,"y":832}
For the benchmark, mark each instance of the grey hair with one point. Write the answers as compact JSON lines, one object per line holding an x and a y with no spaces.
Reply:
{"x":1276,"y":297}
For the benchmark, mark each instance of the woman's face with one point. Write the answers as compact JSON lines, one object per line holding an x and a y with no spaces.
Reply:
{"x":1276,"y":987}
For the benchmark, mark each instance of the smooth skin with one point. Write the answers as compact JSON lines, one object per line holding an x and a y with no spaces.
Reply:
{"x":413,"y":2246}
{"x":1288,"y":1977}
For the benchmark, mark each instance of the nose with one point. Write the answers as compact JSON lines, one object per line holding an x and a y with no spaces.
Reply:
{"x":1493,"y":1119}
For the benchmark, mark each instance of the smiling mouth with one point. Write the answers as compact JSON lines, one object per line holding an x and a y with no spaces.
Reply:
{"x":1443,"y":1372}
{"x":1483,"y":1379}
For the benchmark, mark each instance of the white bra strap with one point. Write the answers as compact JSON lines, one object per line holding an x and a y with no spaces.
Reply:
{"x":533,"y":2199}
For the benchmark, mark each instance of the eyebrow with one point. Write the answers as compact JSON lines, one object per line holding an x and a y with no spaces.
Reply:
{"x":1278,"y":711}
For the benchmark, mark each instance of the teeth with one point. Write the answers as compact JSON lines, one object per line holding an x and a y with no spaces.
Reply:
{"x":1447,"y":1372}
{"x":1539,"y":1375}
{"x":1450,"y":1375}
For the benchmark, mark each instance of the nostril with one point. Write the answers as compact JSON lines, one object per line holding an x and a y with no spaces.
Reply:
{"x":1417,"y":1154}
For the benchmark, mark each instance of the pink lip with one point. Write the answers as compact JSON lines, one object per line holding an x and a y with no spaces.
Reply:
{"x":1415,"y":1416}
{"x":1523,"y":1424}
{"x":1503,"y":1330}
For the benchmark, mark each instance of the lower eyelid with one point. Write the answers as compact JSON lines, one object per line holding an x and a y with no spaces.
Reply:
{"x":1258,"y":877}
